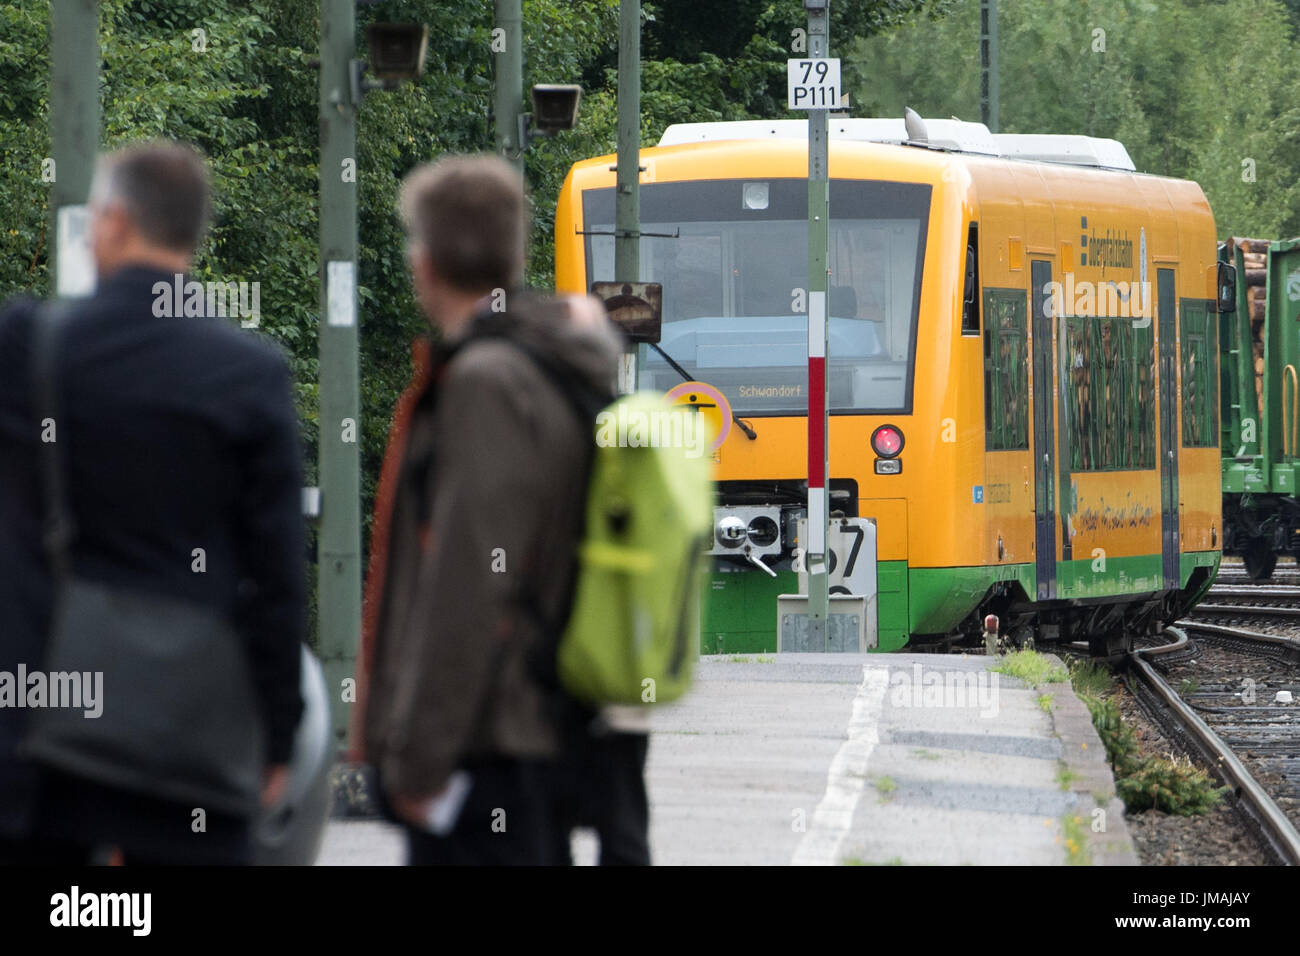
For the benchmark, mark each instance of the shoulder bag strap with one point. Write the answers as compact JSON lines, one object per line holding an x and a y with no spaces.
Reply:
{"x":59,"y":528}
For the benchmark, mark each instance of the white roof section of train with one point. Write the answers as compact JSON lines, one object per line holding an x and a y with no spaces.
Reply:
{"x":955,"y":135}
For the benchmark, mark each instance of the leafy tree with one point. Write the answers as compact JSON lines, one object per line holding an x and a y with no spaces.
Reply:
{"x":1215,"y":104}
{"x":244,"y":90}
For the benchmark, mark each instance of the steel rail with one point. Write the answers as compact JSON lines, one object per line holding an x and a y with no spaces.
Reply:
{"x":1276,"y":828}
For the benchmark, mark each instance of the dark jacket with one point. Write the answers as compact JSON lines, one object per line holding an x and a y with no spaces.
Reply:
{"x":180,"y":434}
{"x":485,"y":518}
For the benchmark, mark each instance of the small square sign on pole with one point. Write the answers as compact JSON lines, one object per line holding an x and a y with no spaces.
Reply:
{"x":813,"y":84}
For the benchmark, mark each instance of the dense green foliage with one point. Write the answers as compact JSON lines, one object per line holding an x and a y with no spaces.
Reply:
{"x":247,"y":96}
{"x":1196,"y":106}
{"x":1197,"y":89}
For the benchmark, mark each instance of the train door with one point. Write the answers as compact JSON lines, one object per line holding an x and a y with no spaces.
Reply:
{"x":1168,"y":319}
{"x":1044,"y":431}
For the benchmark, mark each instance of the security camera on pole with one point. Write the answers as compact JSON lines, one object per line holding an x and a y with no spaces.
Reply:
{"x":813,"y":84}
{"x":395,"y":53}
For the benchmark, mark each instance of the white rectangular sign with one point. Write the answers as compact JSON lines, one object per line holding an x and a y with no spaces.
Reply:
{"x":340,"y":293}
{"x":851,"y":558}
{"x":76,"y":263}
{"x":813,"y":84}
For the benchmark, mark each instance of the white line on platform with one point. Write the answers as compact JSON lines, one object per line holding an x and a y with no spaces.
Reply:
{"x":847,"y":777}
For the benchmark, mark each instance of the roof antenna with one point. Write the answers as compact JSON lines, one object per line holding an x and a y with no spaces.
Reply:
{"x":915,"y":126}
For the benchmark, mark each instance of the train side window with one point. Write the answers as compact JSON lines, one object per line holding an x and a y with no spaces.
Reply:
{"x":1110,"y":394}
{"x":1200,"y":422}
{"x":970,"y":309}
{"x":1006,"y":370}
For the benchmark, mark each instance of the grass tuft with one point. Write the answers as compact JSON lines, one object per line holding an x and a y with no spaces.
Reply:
{"x":1076,"y":841}
{"x":1089,"y":677}
{"x":885,"y":786}
{"x":1032,"y":668}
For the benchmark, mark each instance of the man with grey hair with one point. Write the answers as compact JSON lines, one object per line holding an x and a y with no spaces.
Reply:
{"x":183,"y":475}
{"x":476,"y":530}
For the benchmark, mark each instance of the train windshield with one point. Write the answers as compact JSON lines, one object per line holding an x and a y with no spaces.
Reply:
{"x":732,"y":256}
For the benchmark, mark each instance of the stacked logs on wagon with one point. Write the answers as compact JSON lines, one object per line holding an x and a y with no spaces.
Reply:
{"x":1254,"y":254}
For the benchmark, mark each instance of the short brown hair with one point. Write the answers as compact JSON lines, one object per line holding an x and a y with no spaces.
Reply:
{"x":467,"y":213}
{"x":164,"y":188}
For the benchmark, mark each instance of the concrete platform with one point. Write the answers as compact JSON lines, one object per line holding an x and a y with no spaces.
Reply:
{"x":874,"y":759}
{"x":859,"y":759}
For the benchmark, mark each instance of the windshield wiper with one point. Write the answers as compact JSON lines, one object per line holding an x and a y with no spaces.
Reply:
{"x":686,"y":376}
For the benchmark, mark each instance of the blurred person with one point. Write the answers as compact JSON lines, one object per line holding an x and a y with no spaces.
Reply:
{"x":182,"y":435}
{"x":602,"y":787}
{"x":477,"y":522}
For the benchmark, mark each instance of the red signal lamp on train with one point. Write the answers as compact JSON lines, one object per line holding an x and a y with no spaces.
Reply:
{"x":887,"y":442}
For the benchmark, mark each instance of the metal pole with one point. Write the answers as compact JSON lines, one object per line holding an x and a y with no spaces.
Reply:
{"x":627,"y":201}
{"x":74,"y":135}
{"x":818,"y":385}
{"x":508,"y":101}
{"x":338,"y":593}
{"x":989,"y":64}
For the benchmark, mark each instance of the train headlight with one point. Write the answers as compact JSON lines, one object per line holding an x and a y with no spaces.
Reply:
{"x":732,"y":532}
{"x":887,"y":441}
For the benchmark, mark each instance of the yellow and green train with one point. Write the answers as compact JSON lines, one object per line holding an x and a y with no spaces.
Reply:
{"x":1023,"y":371}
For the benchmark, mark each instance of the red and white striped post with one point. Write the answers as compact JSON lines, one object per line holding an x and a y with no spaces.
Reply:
{"x":818,"y":386}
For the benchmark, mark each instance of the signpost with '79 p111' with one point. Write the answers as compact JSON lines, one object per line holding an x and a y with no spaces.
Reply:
{"x":814,"y":85}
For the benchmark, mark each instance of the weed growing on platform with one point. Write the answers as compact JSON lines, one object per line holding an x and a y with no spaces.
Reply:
{"x":1118,"y":737}
{"x":1089,"y":677}
{"x":1045,"y":703}
{"x":885,"y":786}
{"x":1076,"y":841}
{"x":858,"y":861}
{"x":1032,"y":668}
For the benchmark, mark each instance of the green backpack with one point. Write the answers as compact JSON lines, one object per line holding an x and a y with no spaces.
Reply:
{"x":633,"y":629}
{"x":632,"y":632}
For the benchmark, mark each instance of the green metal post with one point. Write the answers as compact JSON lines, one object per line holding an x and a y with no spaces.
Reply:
{"x":74,"y":134}
{"x":339,"y":532}
{"x":989,"y":64}
{"x":818,"y":338}
{"x":627,"y":197}
{"x":508,"y":103}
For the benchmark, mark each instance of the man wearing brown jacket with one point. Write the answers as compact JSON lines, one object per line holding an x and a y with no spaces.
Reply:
{"x":480,"y":535}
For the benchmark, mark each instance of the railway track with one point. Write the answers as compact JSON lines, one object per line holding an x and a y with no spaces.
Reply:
{"x":1236,"y":575}
{"x":1224,"y":697}
{"x":1250,"y":602}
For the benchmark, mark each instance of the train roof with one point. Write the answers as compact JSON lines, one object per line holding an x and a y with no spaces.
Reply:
{"x":950,"y":135}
